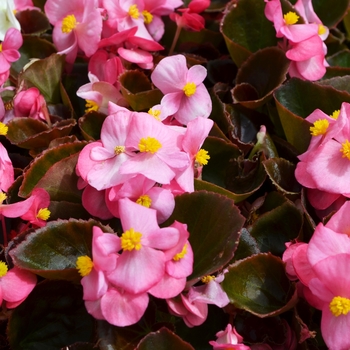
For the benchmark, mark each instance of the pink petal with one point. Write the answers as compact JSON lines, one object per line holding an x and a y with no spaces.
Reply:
{"x":95,"y":285}
{"x":168,"y":287}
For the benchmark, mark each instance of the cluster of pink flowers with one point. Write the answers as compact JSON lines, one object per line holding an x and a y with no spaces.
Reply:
{"x":322,"y":268}
{"x":303,"y":38}
{"x":324,"y":168}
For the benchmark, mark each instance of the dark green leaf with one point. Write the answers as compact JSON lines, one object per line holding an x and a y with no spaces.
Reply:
{"x":329,"y":12}
{"x":90,"y":125}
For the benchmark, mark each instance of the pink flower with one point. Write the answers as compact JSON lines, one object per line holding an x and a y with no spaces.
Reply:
{"x":141,"y":265}
{"x":77,"y":25}
{"x":15,"y":285}
{"x":228,"y":339}
{"x":186,"y":97}
{"x":94,"y":202}
{"x":6,"y":170}
{"x":9,"y":52}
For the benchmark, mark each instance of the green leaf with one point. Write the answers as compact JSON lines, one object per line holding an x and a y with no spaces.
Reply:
{"x":258,"y":77}
{"x":296,"y":100}
{"x":340,"y":59}
{"x":45,"y":74}
{"x":33,"y":22}
{"x":137,"y":90}
{"x":163,"y":339}
{"x":246,"y":29}
{"x":214,"y":223}
{"x":259,"y":285}
{"x":90,"y":125}
{"x":330,"y":13}
{"x":281,"y":173}
{"x":54,"y":170}
{"x":52,"y":317}
{"x":52,"y":251}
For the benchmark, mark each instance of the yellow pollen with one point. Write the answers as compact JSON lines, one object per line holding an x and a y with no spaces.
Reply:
{"x":43,"y":214}
{"x":119,"y":149}
{"x":154,"y":113}
{"x":3,"y":129}
{"x":8,"y":105}
{"x":131,"y":240}
{"x":84,"y":265}
{"x":3,"y":269}
{"x":14,"y":11}
{"x":320,"y":127}
{"x":189,"y":89}
{"x":207,"y":279}
{"x":290,"y":18}
{"x":180,"y":255}
{"x":91,"y":106}
{"x":321,"y":29}
{"x":0,"y":47}
{"x":345,"y":149}
{"x":149,"y":144}
{"x":134,"y":12}
{"x":202,"y":157}
{"x":2,"y":196}
{"x":339,"y":306}
{"x":69,"y":23}
{"x":147,"y":17}
{"x":335,"y":114}
{"x":144,"y":200}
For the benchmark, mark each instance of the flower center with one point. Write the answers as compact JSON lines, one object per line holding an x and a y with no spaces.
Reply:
{"x":144,"y":200}
{"x":149,"y":144}
{"x":43,"y":214}
{"x":147,"y":17}
{"x":335,"y":114}
{"x":119,"y":149}
{"x":134,"y":12}
{"x":3,"y":129}
{"x":207,"y":279}
{"x":8,"y":105}
{"x":339,"y":306}
{"x":131,"y":240}
{"x":290,"y":18}
{"x":3,"y":269}
{"x":0,"y":47}
{"x":84,"y":265}
{"x":320,"y":127}
{"x":189,"y":89}
{"x":345,"y":149}
{"x":321,"y":29}
{"x":154,"y":113}
{"x":91,"y":106}
{"x":2,"y":197}
{"x":180,"y":255}
{"x":202,"y":157}
{"x":69,"y":23}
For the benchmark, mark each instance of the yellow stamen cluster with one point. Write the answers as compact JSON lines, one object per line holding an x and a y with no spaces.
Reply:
{"x":189,"y":89}
{"x":321,"y":29}
{"x":131,"y":240}
{"x":202,"y":157}
{"x":119,"y":149}
{"x":43,"y":214}
{"x":335,"y":114}
{"x":345,"y":149}
{"x":69,"y":23}
{"x":3,"y":269}
{"x":2,"y":196}
{"x":339,"y":306}
{"x":3,"y":129}
{"x":154,"y":113}
{"x":144,"y":200}
{"x":149,"y":144}
{"x":180,"y":255}
{"x":134,"y":12}
{"x":84,"y":265}
{"x":91,"y":106}
{"x":207,"y":279}
{"x":0,"y":47}
{"x":290,"y":18}
{"x":8,"y":105}
{"x":320,"y":127}
{"x":147,"y":17}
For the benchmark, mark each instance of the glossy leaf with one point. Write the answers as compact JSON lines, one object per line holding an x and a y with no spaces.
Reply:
{"x":330,"y":12}
{"x":45,"y":74}
{"x":258,"y":77}
{"x":52,"y":251}
{"x":246,"y":29}
{"x":214,"y":223}
{"x":52,"y":317}
{"x":163,"y":339}
{"x":29,"y":17}
{"x":90,"y":125}
{"x":137,"y":90}
{"x":259,"y":285}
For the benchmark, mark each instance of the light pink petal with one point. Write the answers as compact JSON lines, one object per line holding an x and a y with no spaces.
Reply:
{"x":95,"y":285}
{"x":122,"y":308}
{"x":171,"y":102}
{"x":320,"y":199}
{"x":156,"y":27}
{"x":168,"y":287}
{"x":94,"y":202}
{"x":56,"y":10}
{"x":340,"y":221}
{"x":183,"y":267}
{"x":135,"y":55}
{"x":301,"y":264}
{"x":306,"y":49}
{"x":312,"y":69}
{"x":94,"y":308}
{"x":163,"y":238}
{"x":18,"y":209}
{"x":13,"y":40}
{"x":196,"y":74}
{"x":299,"y":32}
{"x":163,"y":202}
